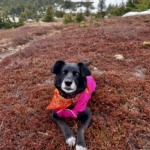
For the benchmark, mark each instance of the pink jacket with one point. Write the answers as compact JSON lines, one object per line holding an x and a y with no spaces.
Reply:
{"x":81,"y":103}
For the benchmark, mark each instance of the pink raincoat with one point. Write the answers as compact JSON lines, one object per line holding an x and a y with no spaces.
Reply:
{"x":81,"y":103}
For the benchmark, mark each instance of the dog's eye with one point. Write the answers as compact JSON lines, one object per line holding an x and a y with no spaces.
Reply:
{"x":64,"y":72}
{"x":76,"y":73}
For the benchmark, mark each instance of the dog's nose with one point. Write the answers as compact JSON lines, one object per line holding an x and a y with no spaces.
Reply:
{"x":68,"y":82}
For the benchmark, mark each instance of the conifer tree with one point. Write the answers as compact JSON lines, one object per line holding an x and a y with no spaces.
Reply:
{"x":23,"y":16}
{"x":87,"y":5}
{"x":143,"y":5}
{"x":1,"y":23}
{"x":131,"y":5}
{"x":80,"y":17}
{"x":49,"y":16}
{"x":101,"y":7}
{"x":67,"y":4}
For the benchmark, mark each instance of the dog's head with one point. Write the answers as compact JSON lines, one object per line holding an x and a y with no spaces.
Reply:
{"x":70,"y":77}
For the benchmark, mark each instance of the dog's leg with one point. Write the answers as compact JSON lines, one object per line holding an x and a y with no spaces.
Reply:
{"x":68,"y":135}
{"x":85,"y":118}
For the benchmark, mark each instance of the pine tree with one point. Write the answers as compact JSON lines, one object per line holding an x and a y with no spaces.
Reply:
{"x":87,"y":5}
{"x":1,"y":23}
{"x":101,"y":7}
{"x":110,"y":8}
{"x":49,"y":16}
{"x":67,"y":4}
{"x":4,"y":13}
{"x":28,"y":13}
{"x":80,"y":17}
{"x":131,"y":5}
{"x":143,"y":5}
{"x":23,"y":16}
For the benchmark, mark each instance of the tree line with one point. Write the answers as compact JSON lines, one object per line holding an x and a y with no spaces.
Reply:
{"x":36,"y":9}
{"x":130,"y":5}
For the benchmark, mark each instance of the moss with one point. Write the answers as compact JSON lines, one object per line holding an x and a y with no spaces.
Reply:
{"x":57,"y":31}
{"x":97,"y":23}
{"x":83,"y":25}
{"x":146,"y":43}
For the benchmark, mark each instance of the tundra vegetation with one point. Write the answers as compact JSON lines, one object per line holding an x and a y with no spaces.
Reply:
{"x":121,"y":104}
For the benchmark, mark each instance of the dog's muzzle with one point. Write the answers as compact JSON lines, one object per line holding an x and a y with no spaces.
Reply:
{"x":68,"y":86}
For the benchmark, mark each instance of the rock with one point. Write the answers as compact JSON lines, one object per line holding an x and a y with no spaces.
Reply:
{"x":119,"y":57}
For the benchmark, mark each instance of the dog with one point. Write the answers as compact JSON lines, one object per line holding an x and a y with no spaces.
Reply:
{"x":74,"y":88}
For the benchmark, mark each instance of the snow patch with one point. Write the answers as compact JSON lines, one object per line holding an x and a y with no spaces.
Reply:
{"x":137,"y":13}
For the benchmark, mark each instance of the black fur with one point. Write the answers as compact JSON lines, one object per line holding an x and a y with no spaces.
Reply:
{"x":80,"y":80}
{"x":76,"y":72}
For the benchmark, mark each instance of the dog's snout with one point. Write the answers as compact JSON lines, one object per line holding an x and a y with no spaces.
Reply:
{"x":68,"y":82}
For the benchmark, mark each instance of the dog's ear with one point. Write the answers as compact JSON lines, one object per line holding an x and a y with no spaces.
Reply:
{"x":84,"y":70}
{"x":57,"y":66}
{"x":87,"y":63}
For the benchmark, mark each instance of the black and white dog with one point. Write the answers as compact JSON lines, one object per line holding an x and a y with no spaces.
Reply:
{"x":74,"y":83}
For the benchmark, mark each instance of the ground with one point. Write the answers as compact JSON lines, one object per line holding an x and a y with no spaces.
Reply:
{"x":120,"y":66}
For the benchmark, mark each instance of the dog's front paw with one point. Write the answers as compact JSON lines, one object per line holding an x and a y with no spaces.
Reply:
{"x":79,"y":147}
{"x":71,"y":141}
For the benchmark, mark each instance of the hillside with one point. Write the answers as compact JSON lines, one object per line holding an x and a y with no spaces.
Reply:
{"x":121,"y":105}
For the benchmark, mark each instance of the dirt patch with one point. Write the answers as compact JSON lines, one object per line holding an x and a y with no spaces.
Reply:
{"x":18,"y":41}
{"x":9,"y":52}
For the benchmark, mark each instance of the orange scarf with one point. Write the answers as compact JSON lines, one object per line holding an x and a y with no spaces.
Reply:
{"x":80,"y":104}
{"x":59,"y":102}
